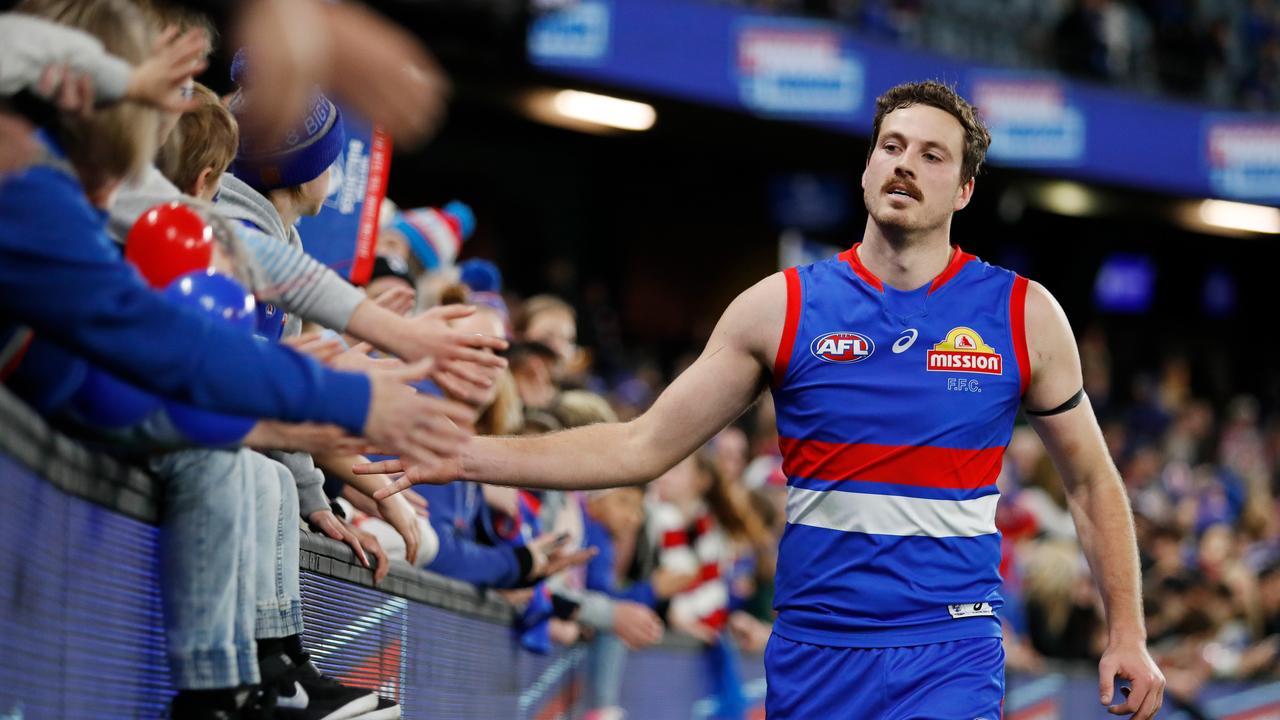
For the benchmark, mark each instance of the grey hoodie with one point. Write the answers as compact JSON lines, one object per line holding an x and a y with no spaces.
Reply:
{"x":30,"y":44}
{"x":306,"y":288}
{"x":288,"y":277}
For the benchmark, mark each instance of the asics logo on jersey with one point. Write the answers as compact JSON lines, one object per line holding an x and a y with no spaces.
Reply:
{"x":906,"y":341}
{"x":842,"y":347}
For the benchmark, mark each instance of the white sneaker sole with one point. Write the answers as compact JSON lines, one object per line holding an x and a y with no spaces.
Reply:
{"x":391,"y":713}
{"x":357,"y":708}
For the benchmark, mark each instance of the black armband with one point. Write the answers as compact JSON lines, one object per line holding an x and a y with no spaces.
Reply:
{"x":1071,"y":402}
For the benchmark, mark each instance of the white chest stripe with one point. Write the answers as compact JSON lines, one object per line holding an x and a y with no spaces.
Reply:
{"x":891,"y":514}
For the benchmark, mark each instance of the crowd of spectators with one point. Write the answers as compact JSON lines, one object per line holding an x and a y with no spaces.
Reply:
{"x":432,"y":349}
{"x":1223,"y":52}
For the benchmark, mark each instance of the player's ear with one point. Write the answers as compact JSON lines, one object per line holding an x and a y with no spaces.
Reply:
{"x":963,"y":195}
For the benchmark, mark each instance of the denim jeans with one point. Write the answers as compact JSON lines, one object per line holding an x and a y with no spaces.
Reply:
{"x":279,"y":593}
{"x":207,"y":559}
{"x":229,"y":560}
{"x":606,"y":663}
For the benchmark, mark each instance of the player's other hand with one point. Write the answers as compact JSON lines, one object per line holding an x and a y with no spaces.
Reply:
{"x":1129,"y":660}
{"x":446,"y":470}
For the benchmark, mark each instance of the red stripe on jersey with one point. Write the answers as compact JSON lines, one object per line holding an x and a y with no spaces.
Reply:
{"x":958,"y":259}
{"x":710,"y":571}
{"x":1018,"y":326}
{"x":900,"y":464}
{"x":851,"y":256}
{"x":675,"y":538}
{"x":788,"y":341}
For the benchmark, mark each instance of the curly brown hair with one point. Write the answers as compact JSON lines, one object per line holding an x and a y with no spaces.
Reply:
{"x":945,"y":98}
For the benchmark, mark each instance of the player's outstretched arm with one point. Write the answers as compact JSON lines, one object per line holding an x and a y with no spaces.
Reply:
{"x":1097,"y":499}
{"x":722,"y":383}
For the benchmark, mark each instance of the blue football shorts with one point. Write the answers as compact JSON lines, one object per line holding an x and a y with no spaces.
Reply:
{"x":957,"y":680}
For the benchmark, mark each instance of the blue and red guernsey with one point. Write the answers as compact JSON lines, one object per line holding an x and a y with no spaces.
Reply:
{"x":894,"y":409}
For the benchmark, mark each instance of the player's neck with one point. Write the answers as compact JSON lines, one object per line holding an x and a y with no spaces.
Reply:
{"x":905,"y":262}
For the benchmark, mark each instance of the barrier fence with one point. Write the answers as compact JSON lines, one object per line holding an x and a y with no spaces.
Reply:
{"x":81,"y":626}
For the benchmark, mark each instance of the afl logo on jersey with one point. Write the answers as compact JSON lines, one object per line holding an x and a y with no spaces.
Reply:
{"x":842,"y":347}
{"x":964,"y":351}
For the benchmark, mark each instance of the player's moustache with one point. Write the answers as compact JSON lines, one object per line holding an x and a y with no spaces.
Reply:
{"x":899,"y":183}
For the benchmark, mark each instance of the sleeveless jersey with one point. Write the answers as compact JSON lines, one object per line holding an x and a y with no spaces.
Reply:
{"x":893,"y":410}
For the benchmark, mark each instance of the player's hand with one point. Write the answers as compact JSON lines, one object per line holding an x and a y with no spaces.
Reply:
{"x":445,"y":471}
{"x":636,"y":625}
{"x":425,"y":430}
{"x":1129,"y":660}
{"x":161,"y":79}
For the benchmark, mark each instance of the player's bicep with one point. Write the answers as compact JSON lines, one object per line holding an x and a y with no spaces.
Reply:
{"x":1051,"y":347}
{"x":1075,"y":444}
{"x":724,"y":380}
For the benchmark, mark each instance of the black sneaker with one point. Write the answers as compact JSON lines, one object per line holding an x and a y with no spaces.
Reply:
{"x":245,"y":703}
{"x":305,"y":694}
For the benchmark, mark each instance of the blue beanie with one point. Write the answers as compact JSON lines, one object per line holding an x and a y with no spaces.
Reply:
{"x":480,"y":275}
{"x":298,"y":156}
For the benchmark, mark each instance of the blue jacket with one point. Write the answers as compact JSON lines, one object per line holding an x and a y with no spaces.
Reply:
{"x":600,"y":571}
{"x":61,"y":276}
{"x":455,"y":510}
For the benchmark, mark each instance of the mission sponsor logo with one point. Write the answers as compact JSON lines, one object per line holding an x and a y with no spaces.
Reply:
{"x":842,"y":347}
{"x":964,"y":351}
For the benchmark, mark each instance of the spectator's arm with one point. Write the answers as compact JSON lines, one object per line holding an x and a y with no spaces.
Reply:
{"x":60,"y":275}
{"x":29,"y":45}
{"x":483,"y":565}
{"x":301,"y":284}
{"x":307,"y":477}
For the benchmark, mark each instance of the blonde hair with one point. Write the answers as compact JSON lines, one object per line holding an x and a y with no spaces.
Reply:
{"x":539,"y":304}
{"x":116,"y":142}
{"x":209,"y":138}
{"x":575,"y":408}
{"x":1050,"y":580}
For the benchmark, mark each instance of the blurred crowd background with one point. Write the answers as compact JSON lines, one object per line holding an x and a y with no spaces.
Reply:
{"x":1223,"y":52}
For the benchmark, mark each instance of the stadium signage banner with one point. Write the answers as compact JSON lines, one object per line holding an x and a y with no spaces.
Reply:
{"x":1244,"y":157}
{"x":578,"y":33}
{"x":345,"y":233}
{"x":826,"y":75}
{"x":797,"y":68}
{"x":1031,"y":119}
